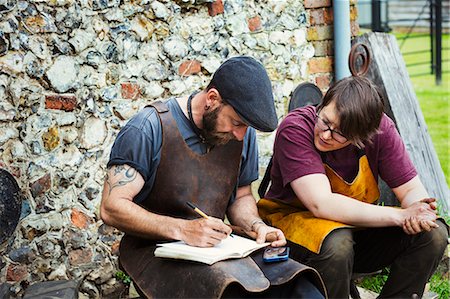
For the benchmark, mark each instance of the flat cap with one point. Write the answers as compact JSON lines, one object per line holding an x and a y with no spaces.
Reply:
{"x":244,"y":84}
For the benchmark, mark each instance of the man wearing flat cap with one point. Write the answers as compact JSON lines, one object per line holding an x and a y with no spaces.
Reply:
{"x":200,"y":149}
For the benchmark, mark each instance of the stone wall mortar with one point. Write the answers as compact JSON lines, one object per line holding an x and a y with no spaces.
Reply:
{"x":73,"y":72}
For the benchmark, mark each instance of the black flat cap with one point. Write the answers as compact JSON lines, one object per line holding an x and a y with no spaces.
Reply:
{"x":244,"y":84}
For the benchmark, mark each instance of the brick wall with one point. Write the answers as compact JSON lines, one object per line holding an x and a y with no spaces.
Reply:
{"x":320,"y":34}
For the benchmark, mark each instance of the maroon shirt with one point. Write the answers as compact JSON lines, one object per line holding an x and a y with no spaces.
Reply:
{"x":295,"y":155}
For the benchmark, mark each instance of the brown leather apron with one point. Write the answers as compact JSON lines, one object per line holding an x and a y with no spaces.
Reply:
{"x":301,"y":227}
{"x":207,"y":181}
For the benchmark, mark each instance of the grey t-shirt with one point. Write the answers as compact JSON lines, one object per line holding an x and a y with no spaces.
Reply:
{"x":139,"y":143}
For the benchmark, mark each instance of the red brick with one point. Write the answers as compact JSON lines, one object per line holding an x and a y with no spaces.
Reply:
{"x":321,"y":16}
{"x":320,"y":65}
{"x":353,"y":13}
{"x":317,"y":3}
{"x":130,"y":90}
{"x":215,"y":8}
{"x":115,"y":248}
{"x":189,"y":67}
{"x":66,"y":102}
{"x":254,"y":24}
{"x":80,"y":256}
{"x":16,"y":272}
{"x":320,"y":33}
{"x":80,"y":219}
{"x":41,"y":185}
{"x":354,"y":28}
{"x":323,"y":48}
{"x":323,"y":81}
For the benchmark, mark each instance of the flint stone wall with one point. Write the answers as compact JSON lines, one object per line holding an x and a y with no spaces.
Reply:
{"x":73,"y":72}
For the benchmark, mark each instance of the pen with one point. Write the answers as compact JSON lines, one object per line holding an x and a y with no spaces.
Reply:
{"x":200,"y":212}
{"x":197,"y":210}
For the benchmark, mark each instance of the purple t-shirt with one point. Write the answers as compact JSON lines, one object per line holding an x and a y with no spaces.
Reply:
{"x":295,"y":155}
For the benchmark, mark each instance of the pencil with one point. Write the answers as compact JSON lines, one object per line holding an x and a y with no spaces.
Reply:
{"x":200,"y":212}
{"x":197,"y":210}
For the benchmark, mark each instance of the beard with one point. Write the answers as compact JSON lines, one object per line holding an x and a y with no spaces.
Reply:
{"x":209,"y":131}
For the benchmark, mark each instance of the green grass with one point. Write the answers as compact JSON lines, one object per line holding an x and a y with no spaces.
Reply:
{"x":433,"y":99}
{"x":434,"y":103}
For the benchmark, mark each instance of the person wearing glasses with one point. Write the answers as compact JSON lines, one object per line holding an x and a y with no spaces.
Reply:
{"x":324,"y":193}
{"x":199,"y":149}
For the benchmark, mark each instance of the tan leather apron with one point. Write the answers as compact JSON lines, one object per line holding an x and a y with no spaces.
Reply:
{"x":208,"y":181}
{"x":301,"y":227}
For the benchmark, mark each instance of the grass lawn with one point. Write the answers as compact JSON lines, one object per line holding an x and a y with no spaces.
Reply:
{"x":434,"y":99}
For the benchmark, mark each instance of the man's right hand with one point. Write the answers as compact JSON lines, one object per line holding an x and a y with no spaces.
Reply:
{"x":204,"y":232}
{"x":421,"y":216}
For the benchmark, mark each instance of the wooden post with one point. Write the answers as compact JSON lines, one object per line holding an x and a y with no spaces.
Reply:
{"x":388,"y":70}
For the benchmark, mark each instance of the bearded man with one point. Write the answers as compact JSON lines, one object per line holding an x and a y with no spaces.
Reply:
{"x":200,"y":149}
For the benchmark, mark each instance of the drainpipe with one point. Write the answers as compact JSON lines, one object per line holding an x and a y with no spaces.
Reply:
{"x":342,"y":43}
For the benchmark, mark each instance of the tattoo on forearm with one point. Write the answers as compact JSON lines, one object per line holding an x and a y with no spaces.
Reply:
{"x":127,"y":176}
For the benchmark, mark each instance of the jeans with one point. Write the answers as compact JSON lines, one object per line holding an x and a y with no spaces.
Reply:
{"x":412,"y":258}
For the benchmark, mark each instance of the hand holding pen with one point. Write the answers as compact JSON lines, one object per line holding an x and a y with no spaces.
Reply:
{"x":204,"y":232}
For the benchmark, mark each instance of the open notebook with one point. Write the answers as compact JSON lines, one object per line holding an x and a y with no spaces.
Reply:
{"x":231,"y":247}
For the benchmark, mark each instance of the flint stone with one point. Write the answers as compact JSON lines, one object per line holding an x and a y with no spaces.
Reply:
{"x":69,"y":134}
{"x":64,"y":118}
{"x":109,"y":94}
{"x":33,"y":67}
{"x":148,"y":51}
{"x":94,"y":58}
{"x":127,"y":47}
{"x":63,"y":73}
{"x":59,"y":273}
{"x":4,"y":45}
{"x":23,"y":255}
{"x":152,"y":90}
{"x":7,"y":111}
{"x":88,"y":76}
{"x":102,"y":274}
{"x":143,"y":27}
{"x":90,"y":289}
{"x":94,"y":133}
{"x":155,"y":71}
{"x":134,"y":68}
{"x":175,"y":47}
{"x":7,"y":132}
{"x":69,"y":156}
{"x":115,"y":14}
{"x":102,"y":4}
{"x":17,"y":149}
{"x":12,"y":62}
{"x":41,"y":23}
{"x":81,"y":39}
{"x":160,"y":10}
{"x":237,"y":24}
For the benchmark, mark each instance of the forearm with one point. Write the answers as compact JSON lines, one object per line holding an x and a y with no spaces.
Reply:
{"x":410,"y":192}
{"x":243,"y":212}
{"x":135,"y":220}
{"x":351,"y":211}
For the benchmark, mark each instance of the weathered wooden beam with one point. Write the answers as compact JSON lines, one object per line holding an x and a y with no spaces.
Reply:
{"x":388,"y":70}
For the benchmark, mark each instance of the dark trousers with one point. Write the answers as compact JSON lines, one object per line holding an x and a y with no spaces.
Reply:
{"x":412,"y":258}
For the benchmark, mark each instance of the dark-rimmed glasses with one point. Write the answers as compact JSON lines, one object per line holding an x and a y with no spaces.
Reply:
{"x":322,"y":125}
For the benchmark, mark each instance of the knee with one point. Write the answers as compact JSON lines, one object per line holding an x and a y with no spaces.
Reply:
{"x":439,"y":237}
{"x":338,"y":246}
{"x":436,"y":240}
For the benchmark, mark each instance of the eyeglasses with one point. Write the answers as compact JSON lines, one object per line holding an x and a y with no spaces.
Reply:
{"x":322,"y":125}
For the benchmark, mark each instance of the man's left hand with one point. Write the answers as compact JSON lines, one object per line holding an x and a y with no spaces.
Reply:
{"x":265,"y":233}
